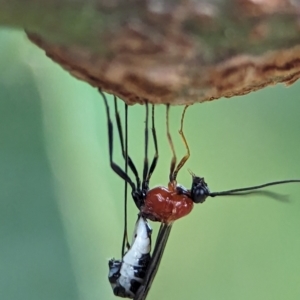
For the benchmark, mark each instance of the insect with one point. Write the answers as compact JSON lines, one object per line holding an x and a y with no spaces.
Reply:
{"x":126,"y":275}
{"x":163,"y":204}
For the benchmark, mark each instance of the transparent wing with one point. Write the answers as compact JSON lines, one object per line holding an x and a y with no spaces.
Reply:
{"x":161,"y":241}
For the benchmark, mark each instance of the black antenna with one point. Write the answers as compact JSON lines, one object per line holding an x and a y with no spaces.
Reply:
{"x":251,"y":188}
{"x":200,"y":191}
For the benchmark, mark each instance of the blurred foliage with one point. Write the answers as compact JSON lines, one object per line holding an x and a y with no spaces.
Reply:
{"x":61,"y":205}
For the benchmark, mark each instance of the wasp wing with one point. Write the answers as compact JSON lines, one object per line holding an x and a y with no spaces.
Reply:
{"x":161,"y":241}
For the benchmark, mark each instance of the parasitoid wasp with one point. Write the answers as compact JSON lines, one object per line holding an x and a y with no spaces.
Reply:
{"x":162,"y":204}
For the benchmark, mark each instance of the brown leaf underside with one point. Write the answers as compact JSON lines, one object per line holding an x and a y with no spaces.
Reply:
{"x":190,"y":51}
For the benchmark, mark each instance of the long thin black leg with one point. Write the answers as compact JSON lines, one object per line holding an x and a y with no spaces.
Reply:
{"x":146,"y":167}
{"x":126,"y":162}
{"x":113,"y":165}
{"x":120,"y":131}
{"x":155,"y":158}
{"x":125,"y":235}
{"x":173,"y":161}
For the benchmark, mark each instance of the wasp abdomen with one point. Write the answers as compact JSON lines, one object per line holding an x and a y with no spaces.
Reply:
{"x":126,"y":275}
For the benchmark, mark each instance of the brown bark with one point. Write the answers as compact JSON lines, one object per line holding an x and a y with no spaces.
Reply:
{"x":171,"y":51}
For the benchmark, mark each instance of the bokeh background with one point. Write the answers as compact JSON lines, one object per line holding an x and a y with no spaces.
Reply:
{"x":61,"y":214}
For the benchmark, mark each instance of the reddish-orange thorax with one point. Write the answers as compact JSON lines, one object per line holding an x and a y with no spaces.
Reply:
{"x":164,"y":204}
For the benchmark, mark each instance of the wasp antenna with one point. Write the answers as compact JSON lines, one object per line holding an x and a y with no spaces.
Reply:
{"x":191,"y":172}
{"x":252,"y":188}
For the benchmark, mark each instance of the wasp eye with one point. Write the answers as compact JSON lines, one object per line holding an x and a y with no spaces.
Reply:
{"x":199,"y":190}
{"x":199,"y":196}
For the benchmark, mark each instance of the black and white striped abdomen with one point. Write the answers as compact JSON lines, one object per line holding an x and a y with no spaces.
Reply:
{"x":126,"y":275}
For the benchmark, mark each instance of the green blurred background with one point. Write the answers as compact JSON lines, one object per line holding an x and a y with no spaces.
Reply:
{"x":61,"y":205}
